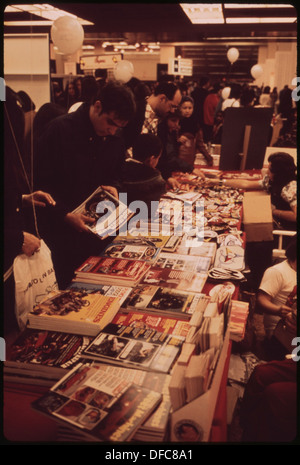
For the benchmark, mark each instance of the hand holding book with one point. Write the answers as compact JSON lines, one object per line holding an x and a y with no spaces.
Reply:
{"x":79,"y":221}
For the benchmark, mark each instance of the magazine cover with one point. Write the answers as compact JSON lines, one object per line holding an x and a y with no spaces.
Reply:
{"x":106,"y":407}
{"x":114,"y":271}
{"x":176,"y":279}
{"x":109,"y":213}
{"x":131,"y":250}
{"x":163,"y":301}
{"x":74,"y":311}
{"x":143,"y":348}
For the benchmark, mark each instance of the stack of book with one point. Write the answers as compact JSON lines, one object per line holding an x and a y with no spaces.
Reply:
{"x":164,"y":301}
{"x":130,"y":346}
{"x":161,"y":323}
{"x":175,"y":279}
{"x":42,"y":357}
{"x":101,"y":405}
{"x":174,"y":261}
{"x":210,"y":334}
{"x":132,"y":249}
{"x":74,"y":311}
{"x":196,"y":375}
{"x":238,"y":320}
{"x":112,"y":271}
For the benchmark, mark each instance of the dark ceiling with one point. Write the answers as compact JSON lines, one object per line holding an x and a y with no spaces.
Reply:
{"x":164,"y":22}
{"x":205,"y":44}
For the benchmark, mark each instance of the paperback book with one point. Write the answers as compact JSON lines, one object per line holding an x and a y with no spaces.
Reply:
{"x":112,"y":271}
{"x":102,"y":406}
{"x":74,"y":311}
{"x":163,"y":301}
{"x":120,"y":292}
{"x":109,"y":213}
{"x":146,"y":349}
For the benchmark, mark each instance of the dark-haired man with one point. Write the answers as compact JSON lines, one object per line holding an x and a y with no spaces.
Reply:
{"x":77,"y":153}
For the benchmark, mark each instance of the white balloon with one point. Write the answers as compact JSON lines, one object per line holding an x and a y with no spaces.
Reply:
{"x":256,"y":71}
{"x":233,"y":54}
{"x":123,"y":71}
{"x":226,"y":92}
{"x":67,"y":34}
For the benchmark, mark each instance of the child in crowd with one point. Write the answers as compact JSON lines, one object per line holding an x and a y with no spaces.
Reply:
{"x":141,"y":180}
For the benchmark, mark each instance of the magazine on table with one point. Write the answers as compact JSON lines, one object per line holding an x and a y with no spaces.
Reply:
{"x":74,"y":311}
{"x":163,"y":301}
{"x":129,"y":346}
{"x":101,"y":405}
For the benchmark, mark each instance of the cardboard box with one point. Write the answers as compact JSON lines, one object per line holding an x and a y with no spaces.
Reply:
{"x":257,"y":216}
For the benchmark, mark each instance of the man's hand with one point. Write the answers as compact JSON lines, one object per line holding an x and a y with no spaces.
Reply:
{"x":38,"y":198}
{"x":31,"y":244}
{"x":78,"y":221}
{"x":112,"y":190}
{"x":198,"y":172}
{"x":291,"y":323}
{"x":173,"y":183}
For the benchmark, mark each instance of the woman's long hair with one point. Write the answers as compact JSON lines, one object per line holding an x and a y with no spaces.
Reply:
{"x":283,"y":168}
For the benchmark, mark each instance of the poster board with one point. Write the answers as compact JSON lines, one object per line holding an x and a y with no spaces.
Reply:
{"x":246,"y":133}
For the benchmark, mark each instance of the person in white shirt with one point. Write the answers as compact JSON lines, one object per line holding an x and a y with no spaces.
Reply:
{"x":277,"y":294}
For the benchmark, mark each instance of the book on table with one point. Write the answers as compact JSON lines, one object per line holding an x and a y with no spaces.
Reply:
{"x":120,"y":292}
{"x":159,"y":322}
{"x":101,"y":405}
{"x":131,"y":249}
{"x":112,"y":271}
{"x":109,"y":213}
{"x":74,"y":311}
{"x":155,"y":427}
{"x":175,"y":279}
{"x":182,"y":262}
{"x":164,"y":301}
{"x":42,"y":356}
{"x":146,"y":349}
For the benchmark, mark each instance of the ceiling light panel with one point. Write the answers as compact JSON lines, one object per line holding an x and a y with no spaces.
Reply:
{"x":44,"y":11}
{"x":203,"y":13}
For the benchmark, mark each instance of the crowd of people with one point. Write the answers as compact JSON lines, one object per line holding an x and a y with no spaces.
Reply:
{"x":127,"y":138}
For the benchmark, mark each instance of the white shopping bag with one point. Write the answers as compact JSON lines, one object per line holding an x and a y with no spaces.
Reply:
{"x":34,"y":279}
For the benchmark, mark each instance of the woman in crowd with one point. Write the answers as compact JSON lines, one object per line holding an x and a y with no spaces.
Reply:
{"x":280,"y":182}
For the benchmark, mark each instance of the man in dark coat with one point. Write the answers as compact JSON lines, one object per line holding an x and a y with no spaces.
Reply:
{"x":78,"y":153}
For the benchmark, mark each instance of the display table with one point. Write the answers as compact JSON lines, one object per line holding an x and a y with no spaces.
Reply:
{"x":22,"y":423}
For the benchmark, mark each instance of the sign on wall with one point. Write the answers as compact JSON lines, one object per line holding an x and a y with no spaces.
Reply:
{"x":180,"y":66}
{"x":99,"y":61}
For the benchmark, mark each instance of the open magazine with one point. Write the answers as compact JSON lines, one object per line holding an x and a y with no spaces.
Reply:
{"x":108,"y":211}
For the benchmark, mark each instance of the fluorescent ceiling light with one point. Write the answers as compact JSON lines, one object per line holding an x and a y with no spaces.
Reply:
{"x":259,"y":20}
{"x":204,"y":13}
{"x":256,"y":5}
{"x":42,"y":10}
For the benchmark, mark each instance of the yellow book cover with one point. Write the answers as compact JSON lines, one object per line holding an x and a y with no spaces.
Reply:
{"x":74,"y":310}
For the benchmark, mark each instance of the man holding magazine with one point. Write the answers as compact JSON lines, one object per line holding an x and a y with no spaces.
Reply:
{"x":77,"y":153}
